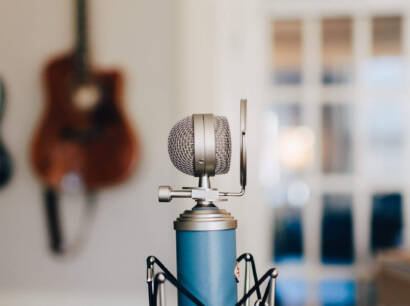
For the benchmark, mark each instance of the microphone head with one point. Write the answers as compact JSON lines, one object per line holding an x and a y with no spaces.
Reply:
{"x":181,"y":146}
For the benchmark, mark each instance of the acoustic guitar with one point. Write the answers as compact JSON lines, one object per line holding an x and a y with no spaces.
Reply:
{"x":5,"y":159}
{"x":84,"y":132}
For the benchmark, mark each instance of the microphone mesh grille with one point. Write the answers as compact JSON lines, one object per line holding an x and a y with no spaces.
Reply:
{"x":223,"y":147}
{"x":181,"y":145}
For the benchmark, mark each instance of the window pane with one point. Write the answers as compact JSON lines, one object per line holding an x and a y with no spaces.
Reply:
{"x":386,"y":224}
{"x":337,"y":229}
{"x":291,"y":292}
{"x":295,"y":141}
{"x":384,"y":139}
{"x":386,"y":32}
{"x":337,"y":50}
{"x":287,"y":51}
{"x":288,"y":150}
{"x":337,"y":292}
{"x":288,"y":246}
{"x":288,"y":114}
{"x":336,"y":139}
{"x":386,"y":67}
{"x":277,"y":118}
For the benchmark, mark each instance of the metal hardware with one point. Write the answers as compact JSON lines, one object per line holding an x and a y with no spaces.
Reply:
{"x":160,"y":278}
{"x":272,"y":288}
{"x":268,"y":298}
{"x":247,"y":278}
{"x":150,"y":268}
{"x":205,"y":164}
{"x":153,"y":292}
{"x":204,"y":136}
{"x":243,"y":156}
{"x":205,"y":194}
{"x":243,"y":160}
{"x":205,"y":219}
{"x":166,"y":194}
{"x":157,"y":294}
{"x":150,"y":273}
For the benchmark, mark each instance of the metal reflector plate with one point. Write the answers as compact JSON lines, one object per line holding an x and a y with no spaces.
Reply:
{"x":243,"y":143}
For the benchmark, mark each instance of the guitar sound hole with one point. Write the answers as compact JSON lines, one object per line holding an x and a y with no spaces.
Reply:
{"x":86,"y":97}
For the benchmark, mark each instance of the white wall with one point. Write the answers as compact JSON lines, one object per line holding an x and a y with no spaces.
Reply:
{"x":138,"y":37}
{"x":179,"y":57}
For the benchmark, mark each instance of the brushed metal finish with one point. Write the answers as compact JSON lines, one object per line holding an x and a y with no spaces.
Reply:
{"x":204,"y":140}
{"x":272,"y":289}
{"x":164,"y":194}
{"x":209,"y":144}
{"x":161,"y":290}
{"x":247,"y":282}
{"x":199,"y":140}
{"x":243,"y":156}
{"x":205,"y":219}
{"x":204,"y":182}
{"x":243,"y":143}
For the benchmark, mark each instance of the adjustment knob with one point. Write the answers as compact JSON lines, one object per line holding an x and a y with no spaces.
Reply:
{"x":164,"y":194}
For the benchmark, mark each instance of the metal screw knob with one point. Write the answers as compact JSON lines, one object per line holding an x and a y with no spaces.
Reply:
{"x":164,"y":194}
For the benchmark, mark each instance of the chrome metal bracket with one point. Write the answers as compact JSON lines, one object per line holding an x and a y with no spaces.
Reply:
{"x":268,"y":298}
{"x":199,"y":194}
{"x":156,"y":284}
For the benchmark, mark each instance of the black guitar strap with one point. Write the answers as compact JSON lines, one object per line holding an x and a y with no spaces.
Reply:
{"x":57,"y":243}
{"x":53,"y":220}
{"x":6,"y":163}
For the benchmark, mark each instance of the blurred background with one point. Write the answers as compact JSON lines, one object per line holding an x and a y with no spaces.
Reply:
{"x":327,"y":84}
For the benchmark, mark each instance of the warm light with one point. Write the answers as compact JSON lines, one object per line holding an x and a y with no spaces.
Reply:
{"x":296,"y":147}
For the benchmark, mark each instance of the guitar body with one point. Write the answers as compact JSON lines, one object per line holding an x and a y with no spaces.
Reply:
{"x":83,"y":133}
{"x":84,"y":141}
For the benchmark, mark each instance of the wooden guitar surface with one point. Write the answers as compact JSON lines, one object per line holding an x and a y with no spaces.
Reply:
{"x":94,"y":142}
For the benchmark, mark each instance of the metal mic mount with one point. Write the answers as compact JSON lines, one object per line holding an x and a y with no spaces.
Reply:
{"x":199,"y":194}
{"x":156,"y":283}
{"x":204,"y":194}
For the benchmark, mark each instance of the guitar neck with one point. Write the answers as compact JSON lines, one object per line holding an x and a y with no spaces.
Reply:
{"x":81,"y":48}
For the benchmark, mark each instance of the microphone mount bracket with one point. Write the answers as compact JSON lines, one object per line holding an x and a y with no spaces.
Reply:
{"x":202,"y":195}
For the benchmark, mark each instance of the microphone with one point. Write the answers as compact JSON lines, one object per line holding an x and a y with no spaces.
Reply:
{"x":200,"y":146}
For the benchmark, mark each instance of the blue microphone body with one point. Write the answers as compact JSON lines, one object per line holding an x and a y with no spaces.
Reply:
{"x":206,"y":256}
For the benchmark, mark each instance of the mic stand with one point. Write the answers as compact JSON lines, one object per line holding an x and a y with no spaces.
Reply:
{"x":156,"y":284}
{"x":159,"y":283}
{"x":208,"y":228}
